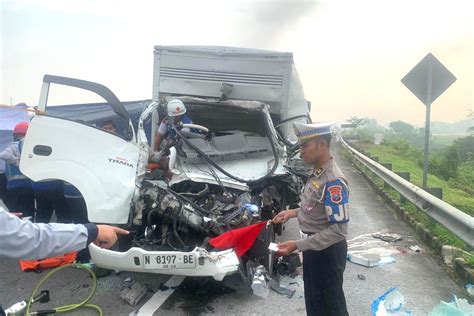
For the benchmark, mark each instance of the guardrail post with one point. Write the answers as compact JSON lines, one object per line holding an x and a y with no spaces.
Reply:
{"x":387,"y":165}
{"x":438,"y":192}
{"x":406,"y":176}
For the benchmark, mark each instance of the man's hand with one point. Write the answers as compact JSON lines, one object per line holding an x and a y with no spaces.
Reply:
{"x":285,"y":248}
{"x":108,"y":235}
{"x":283,"y":217}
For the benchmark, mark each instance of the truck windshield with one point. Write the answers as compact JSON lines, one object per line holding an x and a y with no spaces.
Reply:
{"x":226,"y":118}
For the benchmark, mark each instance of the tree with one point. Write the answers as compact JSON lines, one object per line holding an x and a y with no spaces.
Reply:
{"x":356,"y":121}
{"x":402,"y":128}
{"x":370,"y":122}
{"x":464,"y":147}
{"x":445,"y":164}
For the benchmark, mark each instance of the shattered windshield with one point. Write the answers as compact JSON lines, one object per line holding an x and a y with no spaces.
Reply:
{"x":227,"y":118}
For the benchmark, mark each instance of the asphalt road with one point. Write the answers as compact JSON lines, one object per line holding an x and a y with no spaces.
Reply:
{"x":419,"y":277}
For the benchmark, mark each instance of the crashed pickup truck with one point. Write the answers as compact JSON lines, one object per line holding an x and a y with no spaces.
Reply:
{"x":236,"y":168}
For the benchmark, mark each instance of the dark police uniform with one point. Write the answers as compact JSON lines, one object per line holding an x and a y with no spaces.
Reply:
{"x":323,"y":219}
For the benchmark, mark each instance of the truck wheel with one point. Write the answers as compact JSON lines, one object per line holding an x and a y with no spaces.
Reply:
{"x":259,"y":252}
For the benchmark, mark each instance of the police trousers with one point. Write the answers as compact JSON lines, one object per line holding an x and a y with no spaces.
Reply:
{"x":323,"y":278}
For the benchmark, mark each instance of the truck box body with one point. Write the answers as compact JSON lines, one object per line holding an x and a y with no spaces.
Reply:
{"x":256,"y":75}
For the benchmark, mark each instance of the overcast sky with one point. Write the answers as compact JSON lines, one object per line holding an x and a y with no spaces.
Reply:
{"x":351,"y":55}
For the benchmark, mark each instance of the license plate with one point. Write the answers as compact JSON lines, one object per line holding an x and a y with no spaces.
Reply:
{"x":170,"y":261}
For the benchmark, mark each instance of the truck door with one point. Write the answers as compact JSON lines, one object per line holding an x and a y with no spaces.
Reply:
{"x":100,"y":164}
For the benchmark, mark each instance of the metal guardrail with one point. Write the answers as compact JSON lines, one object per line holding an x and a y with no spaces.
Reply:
{"x":458,"y":222}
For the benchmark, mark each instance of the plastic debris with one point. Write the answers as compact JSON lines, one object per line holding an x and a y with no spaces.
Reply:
{"x":458,"y":307}
{"x":259,"y":283}
{"x":275,"y":286}
{"x":252,"y":209}
{"x":390,"y":303}
{"x":366,"y":260}
{"x":415,"y":248}
{"x":128,"y":280}
{"x":386,"y":260}
{"x":296,"y":283}
{"x":133,"y":294}
{"x":387,"y":237}
{"x":470,"y":289}
{"x":361,"y":276}
{"x":464,"y":305}
{"x":394,"y":301}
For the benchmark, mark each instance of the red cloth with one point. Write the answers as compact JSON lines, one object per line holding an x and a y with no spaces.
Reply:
{"x":241,"y":239}
{"x":40,"y":265}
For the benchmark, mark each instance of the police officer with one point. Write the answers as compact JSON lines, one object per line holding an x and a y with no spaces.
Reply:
{"x":323,"y":219}
{"x":19,"y":195}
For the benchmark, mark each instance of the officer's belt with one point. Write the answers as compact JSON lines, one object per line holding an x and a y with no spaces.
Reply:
{"x":305,"y":235}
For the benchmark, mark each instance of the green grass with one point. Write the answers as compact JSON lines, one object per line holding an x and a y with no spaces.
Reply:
{"x":470,"y":260}
{"x":454,"y":196}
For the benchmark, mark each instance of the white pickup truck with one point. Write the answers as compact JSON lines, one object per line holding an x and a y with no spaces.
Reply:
{"x":236,"y":174}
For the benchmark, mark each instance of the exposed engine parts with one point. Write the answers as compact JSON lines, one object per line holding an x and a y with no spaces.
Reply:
{"x":184,"y":216}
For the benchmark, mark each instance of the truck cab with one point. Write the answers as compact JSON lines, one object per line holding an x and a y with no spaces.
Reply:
{"x":236,"y":174}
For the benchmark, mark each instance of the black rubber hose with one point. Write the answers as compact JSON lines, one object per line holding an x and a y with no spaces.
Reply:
{"x":212,"y":163}
{"x":201,"y":210}
{"x":294,"y":118}
{"x":287,"y":143}
{"x":175,"y":232}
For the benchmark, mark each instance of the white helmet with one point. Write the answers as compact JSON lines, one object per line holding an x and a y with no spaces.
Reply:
{"x":175,"y":107}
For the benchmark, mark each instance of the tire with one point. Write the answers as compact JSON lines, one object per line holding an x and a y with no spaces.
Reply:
{"x":259,"y":251}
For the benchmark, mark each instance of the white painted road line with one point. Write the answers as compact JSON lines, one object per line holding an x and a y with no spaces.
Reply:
{"x":152,"y":305}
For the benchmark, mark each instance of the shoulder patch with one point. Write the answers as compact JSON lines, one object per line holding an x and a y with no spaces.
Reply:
{"x":335,"y":193}
{"x":336,"y":201}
